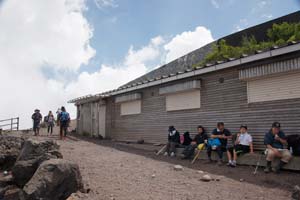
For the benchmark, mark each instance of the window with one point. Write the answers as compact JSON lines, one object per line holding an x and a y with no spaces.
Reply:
{"x":183,"y":100}
{"x":131,"y":107}
{"x":284,"y":86}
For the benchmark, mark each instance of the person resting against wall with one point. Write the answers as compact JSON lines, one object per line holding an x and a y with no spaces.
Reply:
{"x":242,"y":144}
{"x":198,"y":142}
{"x":218,"y":142}
{"x":274,"y":140}
{"x":173,"y":141}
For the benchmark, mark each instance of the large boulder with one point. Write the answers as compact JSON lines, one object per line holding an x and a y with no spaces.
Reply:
{"x":55,"y":179}
{"x":33,"y":153}
{"x":10,"y":147}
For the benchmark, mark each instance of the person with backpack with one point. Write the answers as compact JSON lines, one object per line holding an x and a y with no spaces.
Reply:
{"x":50,"y":123}
{"x":37,"y":118}
{"x":173,"y":141}
{"x":198,"y":142}
{"x":241,"y":144}
{"x":64,"y":121}
{"x":218,"y":142}
{"x":275,"y":140}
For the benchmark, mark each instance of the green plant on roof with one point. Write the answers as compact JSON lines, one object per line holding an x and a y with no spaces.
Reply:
{"x":278,"y":35}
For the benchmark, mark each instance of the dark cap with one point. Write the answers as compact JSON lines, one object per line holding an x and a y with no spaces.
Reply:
{"x":171,"y":128}
{"x":244,"y":126}
{"x":276,"y":125}
{"x":220,"y":124}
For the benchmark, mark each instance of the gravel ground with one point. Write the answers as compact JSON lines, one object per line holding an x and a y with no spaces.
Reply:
{"x":113,"y":174}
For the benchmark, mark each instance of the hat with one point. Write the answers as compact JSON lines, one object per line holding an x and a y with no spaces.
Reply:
{"x":244,"y":126}
{"x":276,"y":125}
{"x":171,"y":128}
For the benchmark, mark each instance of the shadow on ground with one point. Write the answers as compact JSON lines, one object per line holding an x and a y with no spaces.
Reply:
{"x":285,"y":180}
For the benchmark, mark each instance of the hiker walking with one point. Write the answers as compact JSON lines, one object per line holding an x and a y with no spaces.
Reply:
{"x":64,"y":121}
{"x":50,"y":123}
{"x":37,"y":118}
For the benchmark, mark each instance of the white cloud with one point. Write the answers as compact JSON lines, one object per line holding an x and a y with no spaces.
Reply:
{"x":35,"y":34}
{"x":186,"y":42}
{"x":55,"y":34}
{"x":215,"y":3}
{"x":243,"y":23}
{"x":105,"y":3}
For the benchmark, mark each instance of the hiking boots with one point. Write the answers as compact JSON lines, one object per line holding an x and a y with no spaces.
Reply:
{"x":172,"y":154}
{"x":268,"y":168}
{"x":219,"y":163}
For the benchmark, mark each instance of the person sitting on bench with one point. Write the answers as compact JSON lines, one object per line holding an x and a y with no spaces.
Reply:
{"x":173,"y":141}
{"x":222,"y":134}
{"x":198,"y":141}
{"x":275,"y":139}
{"x":243,"y":144}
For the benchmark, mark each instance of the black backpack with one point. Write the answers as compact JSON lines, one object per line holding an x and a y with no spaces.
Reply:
{"x":294,"y":142}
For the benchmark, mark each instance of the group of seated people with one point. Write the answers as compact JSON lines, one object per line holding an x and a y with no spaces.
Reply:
{"x":221,"y":140}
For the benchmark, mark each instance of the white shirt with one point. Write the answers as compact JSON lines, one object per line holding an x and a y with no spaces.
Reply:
{"x":245,"y":139}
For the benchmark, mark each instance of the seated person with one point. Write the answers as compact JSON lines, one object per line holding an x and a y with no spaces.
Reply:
{"x":242,"y":144}
{"x":186,"y":141}
{"x":199,"y":141}
{"x":173,"y":141}
{"x":222,"y":134}
{"x":275,"y":139}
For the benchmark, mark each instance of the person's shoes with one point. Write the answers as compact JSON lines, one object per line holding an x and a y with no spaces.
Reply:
{"x":229,"y":164}
{"x":172,"y":154}
{"x":267,"y":170}
{"x":209,"y":161}
{"x":219,"y":163}
{"x":166,"y":154}
{"x":233,"y":164}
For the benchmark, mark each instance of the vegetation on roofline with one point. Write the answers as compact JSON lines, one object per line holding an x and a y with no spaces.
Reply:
{"x":278,"y":35}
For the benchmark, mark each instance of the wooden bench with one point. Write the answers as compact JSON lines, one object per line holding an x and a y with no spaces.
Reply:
{"x":252,"y":159}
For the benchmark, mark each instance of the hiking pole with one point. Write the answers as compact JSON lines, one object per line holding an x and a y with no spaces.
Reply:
{"x":161,"y":150}
{"x":258,"y":163}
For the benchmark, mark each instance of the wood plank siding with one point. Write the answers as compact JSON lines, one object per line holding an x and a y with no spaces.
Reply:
{"x":223,"y":98}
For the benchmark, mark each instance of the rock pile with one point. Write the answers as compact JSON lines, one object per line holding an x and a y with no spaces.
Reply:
{"x":36,"y":170}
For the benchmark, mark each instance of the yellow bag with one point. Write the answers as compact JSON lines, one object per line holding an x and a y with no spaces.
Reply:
{"x":201,"y":146}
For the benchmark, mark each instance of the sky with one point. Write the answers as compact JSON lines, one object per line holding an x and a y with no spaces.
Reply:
{"x":54,"y":51}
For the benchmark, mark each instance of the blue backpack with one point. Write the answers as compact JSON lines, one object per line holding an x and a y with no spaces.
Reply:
{"x":214,"y":142}
{"x":64,"y":117}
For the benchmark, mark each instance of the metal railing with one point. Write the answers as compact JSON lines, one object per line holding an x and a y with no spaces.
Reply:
{"x":10,"y":124}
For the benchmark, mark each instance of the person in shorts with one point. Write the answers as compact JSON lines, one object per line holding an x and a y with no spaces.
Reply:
{"x":243,"y":144}
{"x":275,"y":140}
{"x":37,"y":118}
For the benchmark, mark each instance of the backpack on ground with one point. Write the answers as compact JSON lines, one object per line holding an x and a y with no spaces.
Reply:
{"x":294,"y":144}
{"x":64,"y":117}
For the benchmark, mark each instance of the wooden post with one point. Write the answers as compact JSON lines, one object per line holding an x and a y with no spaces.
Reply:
{"x":11,"y":123}
{"x":18,"y":123}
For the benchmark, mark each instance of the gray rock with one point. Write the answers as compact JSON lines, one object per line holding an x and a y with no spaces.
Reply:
{"x":206,"y":178}
{"x":178,"y":168}
{"x":33,"y":153}
{"x":55,"y":179}
{"x":296,"y":193}
{"x":12,"y":193}
{"x":10,"y":147}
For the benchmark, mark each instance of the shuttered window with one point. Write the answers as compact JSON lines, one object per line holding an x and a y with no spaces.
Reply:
{"x":284,"y":86}
{"x":131,"y":107}
{"x":183,"y":100}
